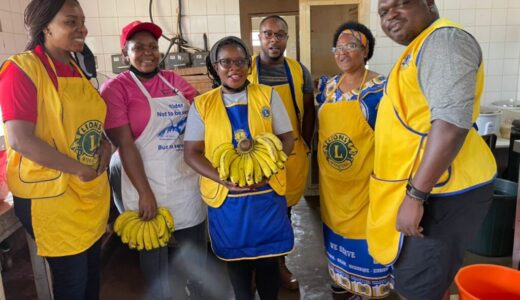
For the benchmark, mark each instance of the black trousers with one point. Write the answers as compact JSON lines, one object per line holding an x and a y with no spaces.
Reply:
{"x":266,"y":278}
{"x":74,"y":277}
{"x":426,"y":266}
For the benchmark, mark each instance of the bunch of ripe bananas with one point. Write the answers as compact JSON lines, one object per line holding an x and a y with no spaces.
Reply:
{"x":251,"y":161}
{"x":139,"y":234}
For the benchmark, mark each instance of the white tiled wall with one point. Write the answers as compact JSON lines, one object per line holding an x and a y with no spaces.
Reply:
{"x":496,"y":26}
{"x":13,"y":35}
{"x":105,"y":18}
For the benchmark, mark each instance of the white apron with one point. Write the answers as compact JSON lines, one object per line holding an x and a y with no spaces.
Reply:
{"x":173,"y":182}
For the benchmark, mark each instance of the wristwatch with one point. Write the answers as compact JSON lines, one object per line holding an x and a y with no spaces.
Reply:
{"x":415,"y":193}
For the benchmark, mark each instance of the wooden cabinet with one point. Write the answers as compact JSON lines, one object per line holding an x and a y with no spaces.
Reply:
{"x":197,"y":77}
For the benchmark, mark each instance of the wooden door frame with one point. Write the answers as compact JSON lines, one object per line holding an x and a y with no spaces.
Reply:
{"x":305,"y":22}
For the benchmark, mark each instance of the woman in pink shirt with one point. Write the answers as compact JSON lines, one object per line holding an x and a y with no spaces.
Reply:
{"x":146,"y":117}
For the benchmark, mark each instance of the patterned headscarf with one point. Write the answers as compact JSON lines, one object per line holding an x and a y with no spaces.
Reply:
{"x":360,"y":36}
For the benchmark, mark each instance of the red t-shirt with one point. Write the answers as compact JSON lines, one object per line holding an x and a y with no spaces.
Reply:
{"x":18,"y":94}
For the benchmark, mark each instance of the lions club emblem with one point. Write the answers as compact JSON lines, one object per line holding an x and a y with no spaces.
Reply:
{"x":266,"y":112}
{"x":339,"y":151}
{"x":87,"y":141}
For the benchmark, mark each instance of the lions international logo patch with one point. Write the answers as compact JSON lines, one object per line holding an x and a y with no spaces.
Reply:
{"x":87,"y":141}
{"x":339,"y":151}
{"x":266,"y":112}
{"x":406,"y":61}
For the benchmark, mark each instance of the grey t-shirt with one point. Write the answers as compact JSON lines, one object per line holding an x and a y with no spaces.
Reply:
{"x":275,"y":75}
{"x":195,"y":127}
{"x":448,"y":65}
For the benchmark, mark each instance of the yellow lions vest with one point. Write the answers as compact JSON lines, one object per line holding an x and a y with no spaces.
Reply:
{"x":345,"y":158}
{"x":401,"y":135}
{"x":218,"y":130}
{"x":68,"y":215}
{"x":298,"y":163}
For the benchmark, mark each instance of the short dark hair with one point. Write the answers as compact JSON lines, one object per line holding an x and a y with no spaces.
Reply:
{"x":37,"y":15}
{"x":357,"y":27}
{"x":274,"y":17}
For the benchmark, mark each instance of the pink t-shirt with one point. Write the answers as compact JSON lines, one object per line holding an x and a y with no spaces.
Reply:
{"x":18,"y":94}
{"x":128,"y":105}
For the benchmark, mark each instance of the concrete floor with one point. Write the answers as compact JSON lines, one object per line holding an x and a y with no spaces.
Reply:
{"x":122,"y":277}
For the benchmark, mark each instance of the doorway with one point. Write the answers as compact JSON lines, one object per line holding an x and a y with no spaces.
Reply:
{"x":325,"y":19}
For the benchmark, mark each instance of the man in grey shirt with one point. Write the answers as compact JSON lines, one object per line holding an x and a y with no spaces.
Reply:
{"x":433,"y":175}
{"x":448,"y":65}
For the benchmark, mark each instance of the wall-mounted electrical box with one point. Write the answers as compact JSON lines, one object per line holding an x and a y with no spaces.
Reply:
{"x":199,"y":59}
{"x":177,"y":60}
{"x":118,"y":64}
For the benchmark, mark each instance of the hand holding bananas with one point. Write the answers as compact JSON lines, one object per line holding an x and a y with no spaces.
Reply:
{"x":139,"y":234}
{"x":252,"y":162}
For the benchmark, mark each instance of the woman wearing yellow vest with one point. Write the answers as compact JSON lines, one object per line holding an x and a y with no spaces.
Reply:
{"x":56,"y":171}
{"x":248,"y":226}
{"x":433,"y":174}
{"x":347,"y":116}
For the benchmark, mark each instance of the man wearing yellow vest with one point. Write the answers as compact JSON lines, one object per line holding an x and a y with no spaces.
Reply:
{"x":433,"y":174}
{"x":293,"y":83}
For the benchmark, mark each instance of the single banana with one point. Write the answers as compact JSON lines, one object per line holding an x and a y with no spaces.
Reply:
{"x":241,"y":172}
{"x":160,"y":225}
{"x":147,"y":240}
{"x":122,"y":219}
{"x":249,"y":169}
{"x":268,"y":147}
{"x":168,"y":218}
{"x":225,"y":163}
{"x":153,"y":235}
{"x":139,"y":237}
{"x":234,"y":170}
{"x":258,"y":175}
{"x":217,"y":153}
{"x":274,"y":139}
{"x":282,"y":156}
{"x":127,"y":230}
{"x":165,"y":239}
{"x":263,"y":164}
{"x":271,"y":163}
{"x":132,"y":241}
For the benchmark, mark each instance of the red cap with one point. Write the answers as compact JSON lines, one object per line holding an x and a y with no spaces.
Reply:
{"x":136,"y":26}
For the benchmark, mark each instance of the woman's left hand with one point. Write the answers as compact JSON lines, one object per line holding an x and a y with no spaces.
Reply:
{"x":104,"y":153}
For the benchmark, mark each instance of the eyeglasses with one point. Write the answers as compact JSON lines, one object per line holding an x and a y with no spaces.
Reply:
{"x":347,"y":48}
{"x":226,"y":63}
{"x":279,"y":35}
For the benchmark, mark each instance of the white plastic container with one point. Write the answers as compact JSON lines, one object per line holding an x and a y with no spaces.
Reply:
{"x":488,"y":122}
